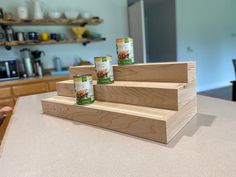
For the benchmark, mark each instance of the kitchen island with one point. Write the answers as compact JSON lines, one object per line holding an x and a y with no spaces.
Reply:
{"x":38,"y":145}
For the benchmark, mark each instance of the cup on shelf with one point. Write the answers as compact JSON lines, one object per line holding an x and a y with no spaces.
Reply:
{"x":22,"y":12}
{"x":20,"y":36}
{"x":61,"y":37}
{"x":32,"y":36}
{"x":44,"y":36}
{"x":53,"y":36}
{"x":86,"y":15}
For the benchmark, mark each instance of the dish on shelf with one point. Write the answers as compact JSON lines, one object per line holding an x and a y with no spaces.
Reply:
{"x":54,"y":14}
{"x":72,"y":15}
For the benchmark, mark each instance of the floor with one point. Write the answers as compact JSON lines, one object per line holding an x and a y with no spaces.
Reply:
{"x":222,"y":93}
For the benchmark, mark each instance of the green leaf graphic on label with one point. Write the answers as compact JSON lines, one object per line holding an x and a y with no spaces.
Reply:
{"x":84,"y":79}
{"x":84,"y":101}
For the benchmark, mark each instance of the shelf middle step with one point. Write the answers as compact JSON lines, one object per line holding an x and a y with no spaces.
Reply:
{"x":171,"y":96}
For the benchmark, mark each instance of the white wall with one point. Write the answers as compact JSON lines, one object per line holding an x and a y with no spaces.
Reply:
{"x":205,"y":27}
{"x":114,"y":13}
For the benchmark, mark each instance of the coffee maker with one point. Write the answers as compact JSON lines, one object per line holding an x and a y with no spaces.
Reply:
{"x":27,"y":60}
{"x":38,"y":66}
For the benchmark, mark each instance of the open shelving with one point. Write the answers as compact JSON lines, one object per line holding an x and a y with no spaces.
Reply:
{"x":50,"y":42}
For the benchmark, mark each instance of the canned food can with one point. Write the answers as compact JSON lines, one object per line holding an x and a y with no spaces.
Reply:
{"x":104,"y":70}
{"x":125,"y":51}
{"x":83,"y":85}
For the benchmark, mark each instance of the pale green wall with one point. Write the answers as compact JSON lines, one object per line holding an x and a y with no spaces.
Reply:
{"x":206,"y":27}
{"x":114,"y":13}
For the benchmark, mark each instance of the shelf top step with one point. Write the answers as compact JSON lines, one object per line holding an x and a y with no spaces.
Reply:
{"x":147,"y":112}
{"x":176,"y":72}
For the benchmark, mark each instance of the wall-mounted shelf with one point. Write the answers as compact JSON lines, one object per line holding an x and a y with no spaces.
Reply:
{"x":61,"y":21}
{"x":68,"y":41}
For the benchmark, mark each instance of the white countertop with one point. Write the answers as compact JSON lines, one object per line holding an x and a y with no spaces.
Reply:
{"x":38,"y":145}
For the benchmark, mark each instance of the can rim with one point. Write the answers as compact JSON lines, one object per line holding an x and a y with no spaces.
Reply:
{"x":81,"y":75}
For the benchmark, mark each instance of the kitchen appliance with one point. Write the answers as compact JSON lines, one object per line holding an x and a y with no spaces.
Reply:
{"x":38,"y":66}
{"x":38,"y":13}
{"x":27,"y":62}
{"x":8,"y":70}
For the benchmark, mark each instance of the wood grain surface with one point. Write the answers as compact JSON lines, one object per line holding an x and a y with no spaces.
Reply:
{"x":51,"y":42}
{"x":150,"y":94}
{"x":176,"y":72}
{"x":61,"y":21}
{"x":151,"y":123}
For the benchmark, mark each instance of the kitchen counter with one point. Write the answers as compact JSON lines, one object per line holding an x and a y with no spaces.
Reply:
{"x":31,"y":80}
{"x":38,"y":145}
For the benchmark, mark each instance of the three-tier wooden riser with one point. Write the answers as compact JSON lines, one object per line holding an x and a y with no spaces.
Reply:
{"x":153,"y":101}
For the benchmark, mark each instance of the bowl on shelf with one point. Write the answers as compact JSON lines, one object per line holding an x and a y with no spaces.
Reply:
{"x":54,"y":14}
{"x":71,"y":14}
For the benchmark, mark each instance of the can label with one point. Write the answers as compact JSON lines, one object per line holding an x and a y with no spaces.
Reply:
{"x":125,"y":51}
{"x":104,"y":70}
{"x":84,"y":93}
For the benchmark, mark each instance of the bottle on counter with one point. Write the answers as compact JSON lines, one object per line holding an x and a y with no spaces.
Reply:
{"x":1,"y":13}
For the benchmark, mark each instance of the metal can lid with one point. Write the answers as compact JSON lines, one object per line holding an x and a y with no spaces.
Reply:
{"x":81,"y":75}
{"x":124,"y":38}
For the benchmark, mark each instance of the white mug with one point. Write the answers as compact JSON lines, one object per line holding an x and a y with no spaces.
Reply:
{"x":86,"y":15}
{"x":22,"y":12}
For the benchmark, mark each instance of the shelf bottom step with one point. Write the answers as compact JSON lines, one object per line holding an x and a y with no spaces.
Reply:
{"x":159,"y":125}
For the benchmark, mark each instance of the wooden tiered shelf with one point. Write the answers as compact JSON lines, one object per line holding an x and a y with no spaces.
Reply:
{"x":50,"y":42}
{"x":152,"y":101}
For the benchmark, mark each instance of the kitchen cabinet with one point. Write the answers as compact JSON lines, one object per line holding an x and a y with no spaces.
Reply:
{"x":7,"y":102}
{"x":30,"y":89}
{"x":5,"y":92}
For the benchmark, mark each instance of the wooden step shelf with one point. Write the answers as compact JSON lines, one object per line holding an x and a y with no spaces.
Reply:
{"x":176,"y":72}
{"x":50,"y":42}
{"x":150,"y":94}
{"x":152,"y":101}
{"x":150,"y":123}
{"x":61,"y":21}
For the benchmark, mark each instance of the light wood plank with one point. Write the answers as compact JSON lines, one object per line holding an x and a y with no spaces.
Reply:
{"x":61,"y":21}
{"x":5,"y":92}
{"x":176,"y":72}
{"x":150,"y":123}
{"x":150,"y":94}
{"x":51,"y":42}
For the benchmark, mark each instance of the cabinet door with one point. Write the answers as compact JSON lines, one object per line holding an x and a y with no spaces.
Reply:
{"x":30,"y":89}
{"x":52,"y":86}
{"x":7,"y":102}
{"x":5,"y":92}
{"x":3,"y":126}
